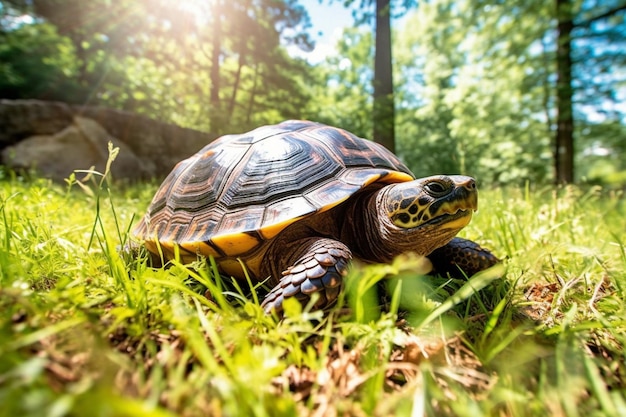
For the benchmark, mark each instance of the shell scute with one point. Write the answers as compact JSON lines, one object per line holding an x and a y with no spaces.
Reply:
{"x":244,"y":219}
{"x":331,"y":193}
{"x":277,"y":168}
{"x":280,"y":214}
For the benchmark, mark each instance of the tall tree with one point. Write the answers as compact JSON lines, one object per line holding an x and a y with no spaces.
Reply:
{"x":564,"y":143}
{"x":215,"y":107}
{"x":252,"y":33}
{"x":592,"y":70}
{"x":381,"y":13}
{"x":384,"y":106}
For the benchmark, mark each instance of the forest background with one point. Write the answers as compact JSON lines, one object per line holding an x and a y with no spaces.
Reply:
{"x":501,"y":90}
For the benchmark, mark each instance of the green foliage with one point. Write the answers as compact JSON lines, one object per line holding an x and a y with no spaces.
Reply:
{"x":598,"y":44}
{"x":343,"y":91}
{"x":476,"y":114}
{"x":156,"y":58}
{"x":35,"y":62}
{"x":602,"y":160}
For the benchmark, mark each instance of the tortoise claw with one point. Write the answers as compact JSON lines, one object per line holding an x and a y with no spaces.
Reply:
{"x":320,"y":270}
{"x":461,"y":258}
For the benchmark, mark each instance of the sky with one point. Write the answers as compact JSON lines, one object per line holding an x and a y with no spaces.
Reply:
{"x":327,"y":19}
{"x":328,"y":22}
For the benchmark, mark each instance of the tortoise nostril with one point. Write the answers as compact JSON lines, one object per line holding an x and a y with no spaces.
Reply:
{"x":471,"y":184}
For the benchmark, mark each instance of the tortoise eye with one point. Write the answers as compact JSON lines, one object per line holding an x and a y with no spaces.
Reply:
{"x":437,"y":189}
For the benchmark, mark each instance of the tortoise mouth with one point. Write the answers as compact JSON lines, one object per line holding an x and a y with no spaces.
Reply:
{"x":456,"y":220}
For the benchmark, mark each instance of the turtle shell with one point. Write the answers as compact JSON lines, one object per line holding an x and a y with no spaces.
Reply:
{"x":242,"y":190}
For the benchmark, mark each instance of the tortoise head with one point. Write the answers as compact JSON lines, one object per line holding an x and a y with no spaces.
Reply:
{"x":442,"y":201}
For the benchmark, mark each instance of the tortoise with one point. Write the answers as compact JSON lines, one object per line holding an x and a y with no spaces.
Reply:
{"x":296,"y":201}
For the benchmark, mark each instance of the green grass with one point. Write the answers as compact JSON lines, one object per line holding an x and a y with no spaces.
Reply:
{"x":86,"y":330}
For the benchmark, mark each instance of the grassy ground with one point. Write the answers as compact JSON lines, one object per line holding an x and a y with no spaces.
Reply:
{"x":85,"y":332}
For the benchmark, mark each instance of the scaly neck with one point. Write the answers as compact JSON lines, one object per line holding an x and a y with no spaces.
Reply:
{"x":374,"y":238}
{"x":363,"y":231}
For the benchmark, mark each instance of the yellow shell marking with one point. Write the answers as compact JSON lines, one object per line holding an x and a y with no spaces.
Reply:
{"x":169,"y":250}
{"x":269,"y":232}
{"x":389,"y":178}
{"x":157,"y":246}
{"x":200,"y":248}
{"x":234,"y":244}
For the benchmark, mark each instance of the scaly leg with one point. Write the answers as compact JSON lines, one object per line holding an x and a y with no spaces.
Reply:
{"x":320,"y":266}
{"x":461,"y":255}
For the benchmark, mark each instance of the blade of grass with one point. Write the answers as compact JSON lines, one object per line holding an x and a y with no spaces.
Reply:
{"x":598,"y":387}
{"x":45,"y":332}
{"x":476,"y":283}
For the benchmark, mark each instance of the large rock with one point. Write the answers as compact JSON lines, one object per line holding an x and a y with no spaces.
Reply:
{"x":81,"y":146}
{"x":20,"y":119}
{"x":148,"y":148}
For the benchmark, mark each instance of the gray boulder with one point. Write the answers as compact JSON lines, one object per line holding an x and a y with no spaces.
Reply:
{"x":82,"y":145}
{"x":20,"y":119}
{"x":56,"y":138}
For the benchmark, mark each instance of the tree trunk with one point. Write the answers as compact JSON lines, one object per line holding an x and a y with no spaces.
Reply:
{"x":233,"y":97}
{"x":216,"y":115}
{"x":564,"y":144}
{"x":383,"y":112}
{"x":252,"y":94}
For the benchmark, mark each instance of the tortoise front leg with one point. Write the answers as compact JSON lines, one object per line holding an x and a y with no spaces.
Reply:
{"x":320,"y":266}
{"x":461,"y":255}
